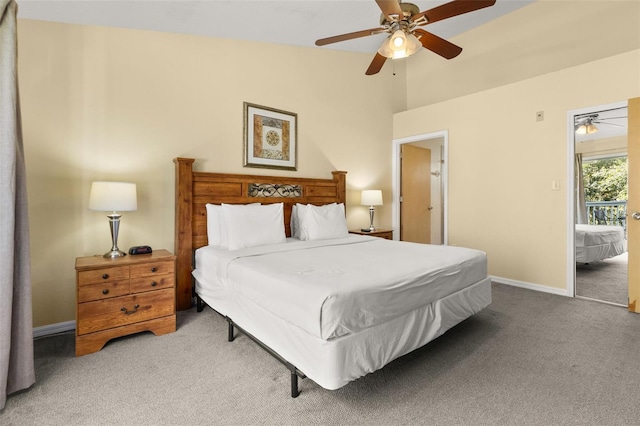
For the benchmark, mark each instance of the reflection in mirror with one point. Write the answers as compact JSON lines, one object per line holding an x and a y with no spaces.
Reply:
{"x":601,"y":191}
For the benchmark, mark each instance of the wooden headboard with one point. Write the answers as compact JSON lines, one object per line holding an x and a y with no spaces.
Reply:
{"x":195,"y":189}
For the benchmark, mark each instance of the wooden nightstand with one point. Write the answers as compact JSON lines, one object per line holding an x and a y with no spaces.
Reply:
{"x":117,"y":297}
{"x":382,"y":233}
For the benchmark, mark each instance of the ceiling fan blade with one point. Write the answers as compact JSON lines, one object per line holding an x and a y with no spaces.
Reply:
{"x":376,"y":64}
{"x":451,"y":9}
{"x":607,"y":124}
{"x":349,"y":36}
{"x":438,"y":45}
{"x":389,"y":8}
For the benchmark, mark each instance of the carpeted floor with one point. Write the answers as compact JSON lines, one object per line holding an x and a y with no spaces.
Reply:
{"x":530,"y":358}
{"x":605,"y":280}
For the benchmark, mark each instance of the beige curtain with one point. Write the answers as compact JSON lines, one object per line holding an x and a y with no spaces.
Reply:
{"x":580,"y":203}
{"x":16,"y":327}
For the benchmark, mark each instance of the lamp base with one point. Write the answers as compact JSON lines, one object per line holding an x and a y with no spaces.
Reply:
{"x":114,"y":253}
{"x":371,"y":212}
{"x":114,"y":225}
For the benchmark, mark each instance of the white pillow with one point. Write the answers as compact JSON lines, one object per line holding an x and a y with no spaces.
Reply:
{"x":297,"y":220}
{"x":325,"y":222}
{"x":298,"y":217}
{"x":216,"y":229}
{"x":214,"y":224}
{"x":254,"y":225}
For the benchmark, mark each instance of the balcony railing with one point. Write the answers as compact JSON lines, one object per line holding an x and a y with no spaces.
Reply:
{"x":607,"y":213}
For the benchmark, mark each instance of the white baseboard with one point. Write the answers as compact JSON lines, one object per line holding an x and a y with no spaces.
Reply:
{"x":48,"y":330}
{"x":530,"y":286}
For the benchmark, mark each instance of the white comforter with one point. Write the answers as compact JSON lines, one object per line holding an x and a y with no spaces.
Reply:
{"x":331,"y":288}
{"x":593,"y":235}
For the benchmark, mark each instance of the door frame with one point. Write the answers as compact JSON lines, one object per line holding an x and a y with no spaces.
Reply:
{"x":395,"y":177}
{"x":571,"y":153}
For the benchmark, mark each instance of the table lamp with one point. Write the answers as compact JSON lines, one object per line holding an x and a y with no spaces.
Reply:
{"x":371,"y":198}
{"x":113,"y":197}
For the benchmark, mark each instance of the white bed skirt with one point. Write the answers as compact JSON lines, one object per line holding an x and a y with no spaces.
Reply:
{"x":334,"y":363}
{"x":600,"y":252}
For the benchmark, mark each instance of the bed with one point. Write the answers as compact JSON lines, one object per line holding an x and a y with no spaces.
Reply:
{"x":330,"y":309}
{"x":599,"y":242}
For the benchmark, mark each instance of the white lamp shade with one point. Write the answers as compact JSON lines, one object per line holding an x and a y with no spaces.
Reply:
{"x":371,"y":197}
{"x":113,"y":197}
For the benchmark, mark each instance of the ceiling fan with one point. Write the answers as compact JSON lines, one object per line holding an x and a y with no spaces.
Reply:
{"x":586,"y":124}
{"x":401,"y":22}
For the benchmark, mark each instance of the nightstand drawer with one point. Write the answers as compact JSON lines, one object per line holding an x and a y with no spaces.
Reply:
{"x":152,"y":268}
{"x":97,"y":291}
{"x":119,"y":311}
{"x":116,"y":273}
{"x":139,"y":285}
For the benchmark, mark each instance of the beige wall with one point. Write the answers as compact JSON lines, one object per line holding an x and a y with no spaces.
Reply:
{"x":114,"y":104}
{"x":502,"y":163}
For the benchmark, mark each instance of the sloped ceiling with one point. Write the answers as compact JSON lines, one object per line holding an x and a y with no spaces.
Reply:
{"x":292,"y":22}
{"x":543,"y":37}
{"x":508,"y":42}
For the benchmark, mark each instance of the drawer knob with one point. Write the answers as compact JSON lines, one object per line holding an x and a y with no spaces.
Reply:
{"x":105,"y":276}
{"x":128,"y":312}
{"x":153,"y":284}
{"x":105,"y":291}
{"x":154,"y":269}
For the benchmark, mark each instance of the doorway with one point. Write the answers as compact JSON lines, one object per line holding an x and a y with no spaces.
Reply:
{"x":436,"y":144}
{"x":599,"y":261}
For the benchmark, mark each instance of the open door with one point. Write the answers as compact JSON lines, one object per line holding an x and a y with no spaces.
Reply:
{"x":438,"y":144}
{"x":633,"y":204}
{"x":415,"y":193}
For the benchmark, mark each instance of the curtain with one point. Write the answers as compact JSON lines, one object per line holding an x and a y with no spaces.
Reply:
{"x":16,"y":324}
{"x":580,"y":203}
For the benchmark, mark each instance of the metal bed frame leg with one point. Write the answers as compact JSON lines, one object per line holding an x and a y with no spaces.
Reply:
{"x":230,"y":336}
{"x":294,"y":385}
{"x":295,"y":391}
{"x":295,"y":373}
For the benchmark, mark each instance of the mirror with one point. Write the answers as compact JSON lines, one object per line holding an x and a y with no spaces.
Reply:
{"x":601,"y":190}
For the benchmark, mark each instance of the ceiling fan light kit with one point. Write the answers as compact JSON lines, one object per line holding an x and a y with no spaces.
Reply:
{"x":586,"y":124}
{"x":400,"y":21}
{"x":400,"y":45}
{"x":586,"y":129}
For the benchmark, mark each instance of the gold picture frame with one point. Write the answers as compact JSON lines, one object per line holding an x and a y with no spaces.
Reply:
{"x":270,"y":138}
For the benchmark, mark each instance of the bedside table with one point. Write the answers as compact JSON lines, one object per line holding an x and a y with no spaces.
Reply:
{"x":382,"y":233}
{"x":121,"y":296}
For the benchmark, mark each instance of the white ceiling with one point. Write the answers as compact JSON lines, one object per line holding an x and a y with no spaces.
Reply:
{"x":291,"y":22}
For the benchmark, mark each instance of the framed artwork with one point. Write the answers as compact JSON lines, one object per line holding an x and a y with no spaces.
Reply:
{"x":270,"y":138}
